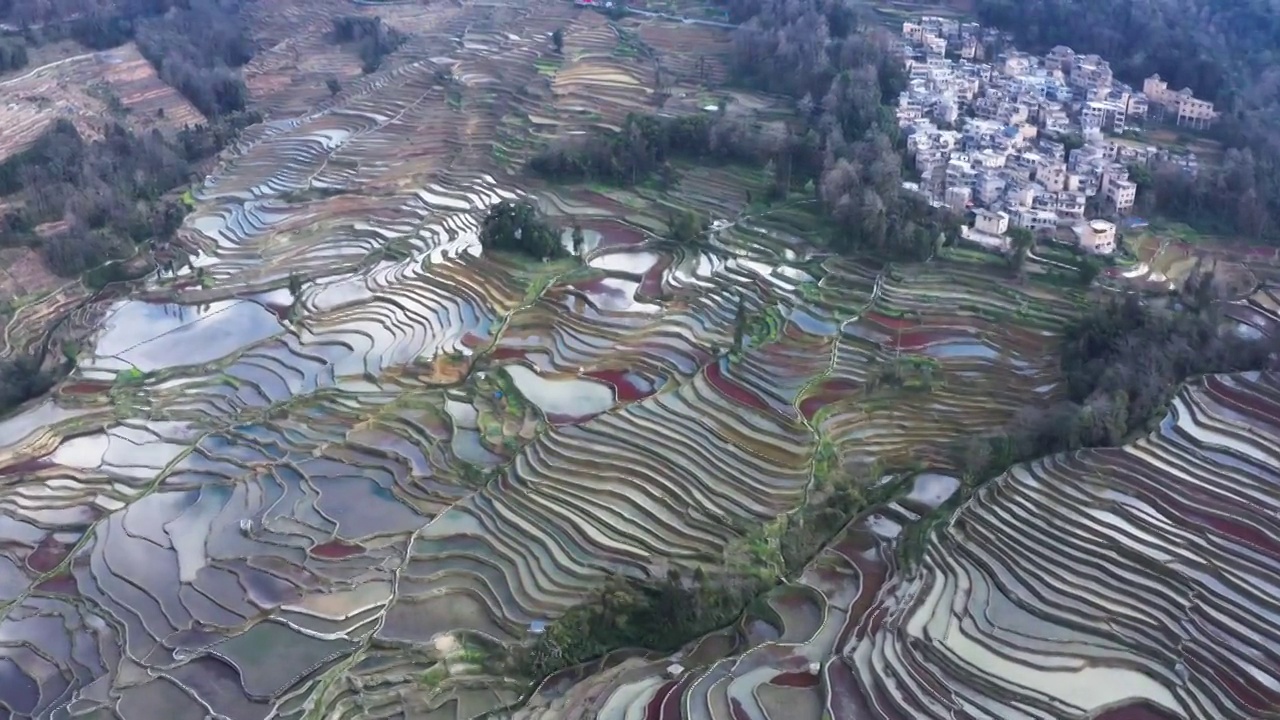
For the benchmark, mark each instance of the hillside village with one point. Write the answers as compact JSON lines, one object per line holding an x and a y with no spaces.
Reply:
{"x":986,"y":135}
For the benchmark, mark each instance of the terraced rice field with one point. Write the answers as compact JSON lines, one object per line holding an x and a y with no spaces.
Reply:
{"x":353,"y":502}
{"x":1164,"y":261}
{"x":1133,"y":582}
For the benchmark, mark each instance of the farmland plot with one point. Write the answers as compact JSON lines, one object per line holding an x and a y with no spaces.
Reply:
{"x":1117,"y":583}
{"x":346,"y":461}
{"x":88,"y":89}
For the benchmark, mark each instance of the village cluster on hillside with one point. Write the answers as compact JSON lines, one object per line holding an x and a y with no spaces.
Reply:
{"x":985,"y":134}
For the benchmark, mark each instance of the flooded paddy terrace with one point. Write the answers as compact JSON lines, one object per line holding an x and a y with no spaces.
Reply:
{"x":353,"y":501}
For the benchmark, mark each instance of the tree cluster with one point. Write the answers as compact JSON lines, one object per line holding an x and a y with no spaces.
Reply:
{"x":843,"y":74}
{"x":53,"y":18}
{"x":21,"y":378}
{"x":516,"y":227}
{"x":13,"y":54}
{"x":1225,"y":199}
{"x":373,"y":40}
{"x":1224,"y":50}
{"x":1123,"y":363}
{"x":109,"y":192}
{"x":628,"y":613}
{"x":686,"y":226}
{"x":646,"y":145}
{"x":199,"y":142}
{"x":195,"y":46}
{"x":844,"y":146}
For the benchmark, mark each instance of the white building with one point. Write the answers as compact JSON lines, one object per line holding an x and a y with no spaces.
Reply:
{"x":991,"y":223}
{"x":1034,"y":220}
{"x":958,"y":199}
{"x":1118,"y":190}
{"x":1096,"y":236}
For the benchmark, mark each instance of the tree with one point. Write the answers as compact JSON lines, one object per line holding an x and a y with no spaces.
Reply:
{"x":1088,"y":271}
{"x":334,"y":85}
{"x":13,"y":54}
{"x":196,"y":47}
{"x":686,"y":226}
{"x":110,"y":191}
{"x":739,"y":325}
{"x":557,"y":39}
{"x":21,"y":378}
{"x":1071,"y":141}
{"x":976,"y":457}
{"x":373,"y":39}
{"x":1020,"y":242}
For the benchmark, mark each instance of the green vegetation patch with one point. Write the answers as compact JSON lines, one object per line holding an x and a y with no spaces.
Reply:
{"x":547,"y":67}
{"x":517,"y":227}
{"x":655,"y":614}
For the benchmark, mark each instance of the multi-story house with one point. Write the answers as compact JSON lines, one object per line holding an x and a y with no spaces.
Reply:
{"x":1012,"y":113}
{"x":1053,"y":119}
{"x":1083,"y":159}
{"x":940,"y":26}
{"x":1103,"y":115}
{"x":989,"y":222}
{"x":958,"y":199}
{"x":989,"y":187}
{"x":1017,"y":63}
{"x":1025,"y":163}
{"x":1091,"y":76}
{"x":1096,"y":236}
{"x":1020,"y":194}
{"x":1052,"y":175}
{"x":1084,"y":184}
{"x":1196,"y":113}
{"x":1118,"y":191}
{"x":1181,"y":104}
{"x":1061,"y":58}
{"x":1038,"y":221}
{"x":913,"y":32}
{"x":1069,"y":204}
{"x":960,"y":172}
{"x":1137,"y":106}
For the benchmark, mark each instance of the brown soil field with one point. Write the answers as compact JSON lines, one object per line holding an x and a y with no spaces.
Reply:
{"x":692,"y":53}
{"x":81,"y":88}
{"x":287,"y":76}
{"x":22,"y":273}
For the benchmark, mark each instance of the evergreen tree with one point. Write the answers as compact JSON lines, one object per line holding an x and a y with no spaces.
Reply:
{"x":1020,"y":242}
{"x":686,"y":226}
{"x":739,"y":325}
